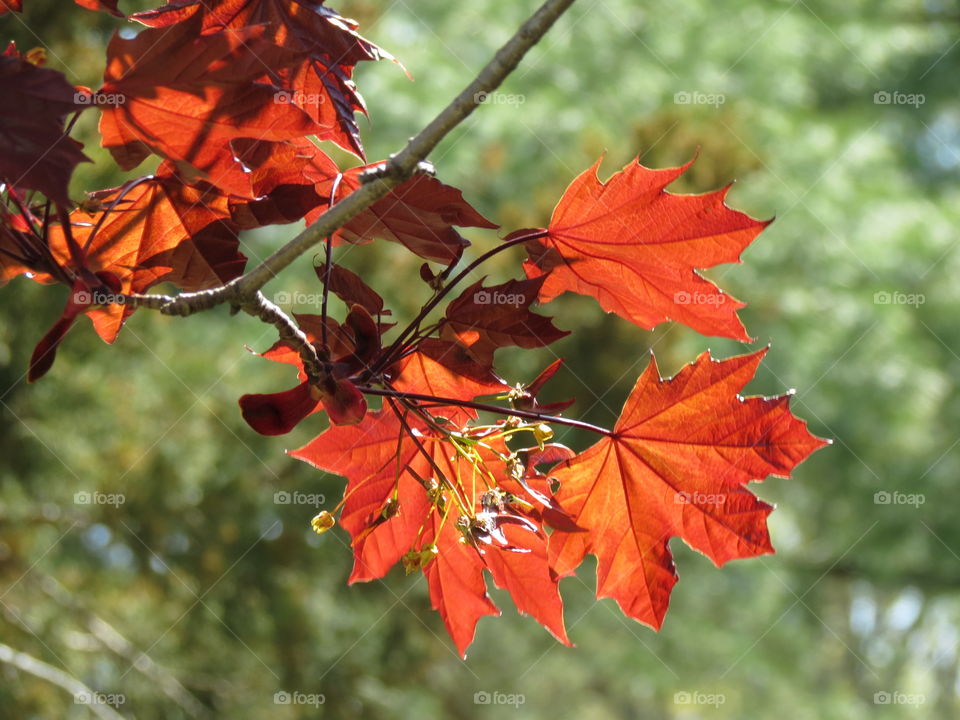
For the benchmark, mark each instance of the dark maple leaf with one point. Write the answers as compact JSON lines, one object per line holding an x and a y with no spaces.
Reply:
{"x":321,"y":83}
{"x":185,"y":96}
{"x":350,"y":344}
{"x":37,"y":153}
{"x":278,"y":413}
{"x":484,"y":319}
{"x":676,"y":465}
{"x":45,"y":352}
{"x":350,"y":287}
{"x":420,"y":214}
{"x":635,"y":248}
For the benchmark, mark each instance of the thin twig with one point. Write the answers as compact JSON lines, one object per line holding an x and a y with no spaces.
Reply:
{"x":56,"y":676}
{"x":388,"y":357}
{"x":327,"y":269}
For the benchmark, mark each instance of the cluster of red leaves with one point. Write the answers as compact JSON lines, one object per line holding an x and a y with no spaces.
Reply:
{"x":231,"y":97}
{"x":433,"y":487}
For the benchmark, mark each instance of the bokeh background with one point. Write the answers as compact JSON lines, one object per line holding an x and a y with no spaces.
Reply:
{"x":201,"y":596}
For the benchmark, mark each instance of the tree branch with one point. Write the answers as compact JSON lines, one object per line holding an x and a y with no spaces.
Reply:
{"x":271,"y":313}
{"x":376,"y":182}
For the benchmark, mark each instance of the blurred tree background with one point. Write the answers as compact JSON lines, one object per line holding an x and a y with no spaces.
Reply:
{"x":202,"y":595}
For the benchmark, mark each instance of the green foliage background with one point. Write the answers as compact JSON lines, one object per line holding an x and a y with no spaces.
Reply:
{"x":229,"y":592}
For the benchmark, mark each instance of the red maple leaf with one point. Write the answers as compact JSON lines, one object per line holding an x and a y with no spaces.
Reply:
{"x":185,"y":231}
{"x":351,"y":288}
{"x":329,"y":45}
{"x":384,"y":468}
{"x":676,"y":465}
{"x":635,"y":248}
{"x":350,"y":344}
{"x":185,"y":96}
{"x":455,"y":576}
{"x":371,"y":455}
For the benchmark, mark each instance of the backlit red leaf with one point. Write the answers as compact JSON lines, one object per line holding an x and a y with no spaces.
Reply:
{"x":185,"y":96}
{"x":328,"y":44}
{"x":635,"y":248}
{"x":676,"y":465}
{"x":371,"y":456}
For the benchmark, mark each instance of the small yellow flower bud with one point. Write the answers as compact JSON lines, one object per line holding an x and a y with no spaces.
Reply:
{"x":542,"y":433}
{"x":322,"y":522}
